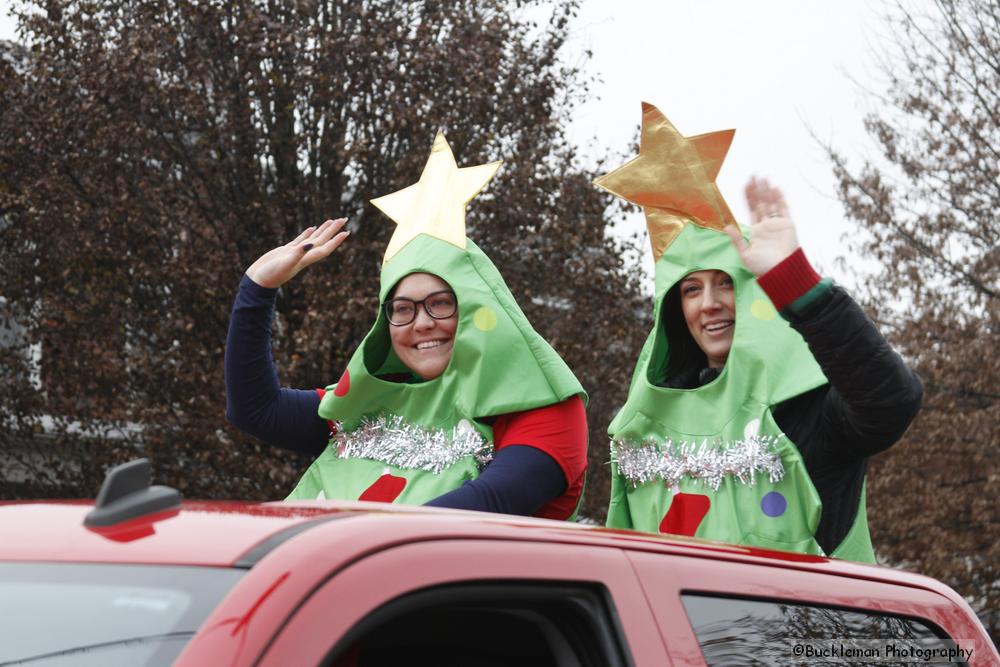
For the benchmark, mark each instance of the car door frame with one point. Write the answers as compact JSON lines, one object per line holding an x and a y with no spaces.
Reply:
{"x":384,"y":576}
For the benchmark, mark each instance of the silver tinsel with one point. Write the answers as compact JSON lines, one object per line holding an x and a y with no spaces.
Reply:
{"x":390,"y":440}
{"x":707,"y":462}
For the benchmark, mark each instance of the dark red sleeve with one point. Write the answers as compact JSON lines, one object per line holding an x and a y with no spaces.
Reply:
{"x":559,"y":430}
{"x":790,"y":279}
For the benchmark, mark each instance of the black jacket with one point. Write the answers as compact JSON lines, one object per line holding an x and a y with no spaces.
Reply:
{"x":869,"y":402}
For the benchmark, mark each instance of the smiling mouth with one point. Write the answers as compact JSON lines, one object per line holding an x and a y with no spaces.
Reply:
{"x":718,"y":327}
{"x":430,"y":344}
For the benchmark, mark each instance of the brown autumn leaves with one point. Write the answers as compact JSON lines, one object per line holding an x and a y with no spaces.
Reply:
{"x":928,"y":206}
{"x":149,"y":152}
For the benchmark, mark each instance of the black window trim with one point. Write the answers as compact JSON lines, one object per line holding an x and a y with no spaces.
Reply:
{"x":592,"y":599}
{"x":814,"y":604}
{"x":799,"y":602}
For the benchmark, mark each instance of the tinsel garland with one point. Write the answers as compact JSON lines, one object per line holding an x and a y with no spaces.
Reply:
{"x":392,"y":441}
{"x":710,"y":463}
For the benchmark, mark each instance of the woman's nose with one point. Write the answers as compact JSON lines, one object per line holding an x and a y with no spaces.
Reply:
{"x":423,"y":320}
{"x":709,"y":299}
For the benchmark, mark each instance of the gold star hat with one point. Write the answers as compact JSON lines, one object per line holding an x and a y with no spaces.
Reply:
{"x":499,"y":363}
{"x":673,"y":180}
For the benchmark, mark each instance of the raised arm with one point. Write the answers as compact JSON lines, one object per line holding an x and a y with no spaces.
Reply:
{"x":255,"y":402}
{"x":874,"y":396}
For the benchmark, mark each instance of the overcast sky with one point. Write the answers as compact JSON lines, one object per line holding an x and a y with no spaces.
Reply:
{"x":773,"y":69}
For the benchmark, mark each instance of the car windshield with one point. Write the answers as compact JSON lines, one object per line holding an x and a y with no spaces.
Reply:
{"x":98,"y":614}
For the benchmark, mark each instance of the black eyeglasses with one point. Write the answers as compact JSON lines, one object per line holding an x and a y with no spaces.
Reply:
{"x":439,"y":305}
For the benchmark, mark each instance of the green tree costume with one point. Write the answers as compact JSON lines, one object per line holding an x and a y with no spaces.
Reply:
{"x":711,"y":462}
{"x":413,"y":442}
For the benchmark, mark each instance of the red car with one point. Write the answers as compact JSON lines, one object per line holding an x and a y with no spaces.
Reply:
{"x":141,"y":579}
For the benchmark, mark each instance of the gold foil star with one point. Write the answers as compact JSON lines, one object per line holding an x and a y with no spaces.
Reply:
{"x":673,"y":179}
{"x":435,"y":205}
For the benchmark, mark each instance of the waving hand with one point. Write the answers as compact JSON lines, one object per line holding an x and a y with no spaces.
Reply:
{"x":772,"y":234}
{"x":276,"y":267}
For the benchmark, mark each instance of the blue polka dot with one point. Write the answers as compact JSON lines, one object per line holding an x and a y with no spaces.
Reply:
{"x":773,"y":504}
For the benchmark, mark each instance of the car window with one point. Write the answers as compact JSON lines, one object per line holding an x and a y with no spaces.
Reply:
{"x":55,"y":614}
{"x":733,"y":631}
{"x":488,"y":625}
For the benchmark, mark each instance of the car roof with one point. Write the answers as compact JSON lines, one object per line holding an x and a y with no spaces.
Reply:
{"x":236,"y":534}
{"x":201,"y":533}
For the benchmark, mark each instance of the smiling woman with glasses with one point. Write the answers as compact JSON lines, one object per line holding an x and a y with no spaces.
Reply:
{"x":451,"y":400}
{"x":422,"y":318}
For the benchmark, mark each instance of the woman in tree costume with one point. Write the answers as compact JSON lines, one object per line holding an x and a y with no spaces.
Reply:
{"x":742,"y":426}
{"x":451,"y":400}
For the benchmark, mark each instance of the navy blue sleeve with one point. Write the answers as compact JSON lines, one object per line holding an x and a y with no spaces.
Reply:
{"x":255,"y":402}
{"x":519,"y":480}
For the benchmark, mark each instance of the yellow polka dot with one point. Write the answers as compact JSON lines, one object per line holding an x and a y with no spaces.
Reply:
{"x":763,"y":309}
{"x":485,"y":319}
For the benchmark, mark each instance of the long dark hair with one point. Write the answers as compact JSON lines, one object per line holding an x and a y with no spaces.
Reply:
{"x":684,"y":358}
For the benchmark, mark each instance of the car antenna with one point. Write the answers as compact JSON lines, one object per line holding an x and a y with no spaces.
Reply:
{"x":126,"y":494}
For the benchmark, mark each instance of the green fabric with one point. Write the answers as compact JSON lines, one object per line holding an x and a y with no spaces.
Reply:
{"x":690,"y":431}
{"x":333,"y":477}
{"x":499,"y":365}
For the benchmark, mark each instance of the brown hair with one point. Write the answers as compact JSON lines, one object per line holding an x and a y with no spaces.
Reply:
{"x":684,"y":357}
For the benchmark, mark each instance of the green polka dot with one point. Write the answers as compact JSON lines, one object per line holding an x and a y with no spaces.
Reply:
{"x":763,"y":309}
{"x":485,"y":319}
